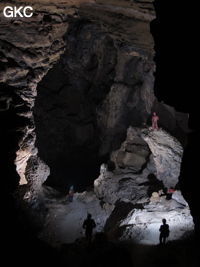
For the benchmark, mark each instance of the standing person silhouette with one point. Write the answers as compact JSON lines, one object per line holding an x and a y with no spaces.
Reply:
{"x":88,"y":225}
{"x":154,"y":120}
{"x":164,"y":232}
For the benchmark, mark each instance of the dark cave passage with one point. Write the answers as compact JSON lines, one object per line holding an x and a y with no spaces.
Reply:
{"x":86,"y":102}
{"x":68,"y":134}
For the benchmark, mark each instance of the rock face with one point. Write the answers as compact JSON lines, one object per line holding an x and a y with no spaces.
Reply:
{"x":142,"y":225}
{"x":133,"y":153}
{"x":105,"y":74}
{"x":129,"y":202}
{"x":167,"y":153}
{"x":98,"y":58}
{"x":98,"y":88}
{"x":145,"y":186}
{"x":145,"y":153}
{"x":101,"y":81}
{"x":27,"y":52}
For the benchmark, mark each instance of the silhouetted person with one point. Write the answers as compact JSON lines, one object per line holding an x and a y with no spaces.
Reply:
{"x":154,"y":120}
{"x":88,"y":225}
{"x":164,"y":232}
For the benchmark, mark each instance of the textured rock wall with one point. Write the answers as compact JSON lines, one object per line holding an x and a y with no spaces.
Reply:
{"x":147,"y":162}
{"x":106,"y":68}
{"x":101,"y":85}
{"x":79,"y":97}
{"x":30,"y":46}
{"x":137,"y":192}
{"x":167,"y":152}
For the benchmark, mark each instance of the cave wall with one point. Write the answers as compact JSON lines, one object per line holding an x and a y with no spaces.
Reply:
{"x":102,"y":52}
{"x":30,"y":47}
{"x":99,"y":87}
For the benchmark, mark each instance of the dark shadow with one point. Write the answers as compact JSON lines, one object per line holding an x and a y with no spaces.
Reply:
{"x":10,"y":135}
{"x":176,"y":32}
{"x":14,"y":238}
{"x":103,"y":252}
{"x":119,"y":213}
{"x":154,"y":185}
{"x":100,"y":253}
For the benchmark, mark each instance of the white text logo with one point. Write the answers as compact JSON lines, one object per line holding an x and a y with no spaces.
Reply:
{"x":13,"y":12}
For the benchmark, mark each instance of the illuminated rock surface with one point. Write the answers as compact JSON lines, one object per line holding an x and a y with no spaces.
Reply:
{"x":129,"y":202}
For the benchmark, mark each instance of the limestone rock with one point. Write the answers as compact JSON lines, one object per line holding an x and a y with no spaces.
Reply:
{"x":179,"y":197}
{"x":113,"y":187}
{"x":109,"y":75}
{"x":146,"y":190}
{"x":103,"y":168}
{"x":124,"y":184}
{"x":99,"y":56}
{"x":167,"y":153}
{"x":133,"y":153}
{"x":36,"y":174}
{"x":143,"y":226}
{"x":155,"y":197}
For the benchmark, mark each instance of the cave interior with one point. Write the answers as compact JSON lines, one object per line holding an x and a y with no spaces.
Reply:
{"x":67,"y":124}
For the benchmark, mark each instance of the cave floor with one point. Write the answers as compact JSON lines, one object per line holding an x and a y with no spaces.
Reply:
{"x":64,"y":232}
{"x":65,"y":220}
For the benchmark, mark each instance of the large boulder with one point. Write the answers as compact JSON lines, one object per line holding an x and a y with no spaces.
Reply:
{"x":143,"y":184}
{"x":167,"y":153}
{"x":133,"y":153}
{"x":142,"y":226}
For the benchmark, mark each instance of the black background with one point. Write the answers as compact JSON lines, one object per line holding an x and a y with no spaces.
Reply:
{"x":176,"y":32}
